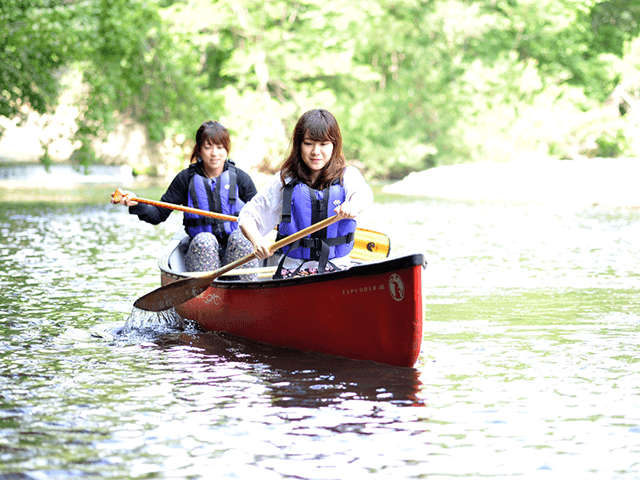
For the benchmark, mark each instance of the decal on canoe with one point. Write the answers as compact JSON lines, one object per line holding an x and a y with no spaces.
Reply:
{"x":368,"y":288}
{"x":213,"y":298}
{"x":396,"y":287}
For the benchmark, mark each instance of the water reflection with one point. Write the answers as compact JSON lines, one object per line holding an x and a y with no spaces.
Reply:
{"x":298,"y":379}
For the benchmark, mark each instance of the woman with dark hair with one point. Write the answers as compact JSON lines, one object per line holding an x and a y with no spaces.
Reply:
{"x":212,"y":182}
{"x":313,"y":184}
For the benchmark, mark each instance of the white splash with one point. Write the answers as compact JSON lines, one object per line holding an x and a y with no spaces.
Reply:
{"x":166,"y":321}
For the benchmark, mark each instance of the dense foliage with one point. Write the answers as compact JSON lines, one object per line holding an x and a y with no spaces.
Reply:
{"x":414,"y":83}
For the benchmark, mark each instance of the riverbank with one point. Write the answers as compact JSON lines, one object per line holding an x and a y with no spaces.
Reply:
{"x":61,"y":183}
{"x":589,"y":182}
{"x":20,"y":175}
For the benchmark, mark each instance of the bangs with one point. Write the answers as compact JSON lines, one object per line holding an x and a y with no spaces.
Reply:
{"x":214,"y":136}
{"x":319,"y":128}
{"x":318,"y":131}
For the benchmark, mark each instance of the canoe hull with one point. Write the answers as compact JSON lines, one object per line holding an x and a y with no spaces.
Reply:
{"x":370,"y":312}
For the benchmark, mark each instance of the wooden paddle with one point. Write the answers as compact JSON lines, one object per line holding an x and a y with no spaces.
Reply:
{"x":368,"y":244}
{"x":117,"y":195}
{"x":178,"y":292}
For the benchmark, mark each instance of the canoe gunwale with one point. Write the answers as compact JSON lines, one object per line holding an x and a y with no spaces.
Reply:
{"x":363,"y":270}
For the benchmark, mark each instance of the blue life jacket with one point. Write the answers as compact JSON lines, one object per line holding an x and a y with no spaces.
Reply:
{"x":218,"y":195}
{"x":303,"y":206}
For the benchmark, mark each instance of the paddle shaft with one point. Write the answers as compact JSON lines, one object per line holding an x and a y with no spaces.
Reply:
{"x":171,"y":206}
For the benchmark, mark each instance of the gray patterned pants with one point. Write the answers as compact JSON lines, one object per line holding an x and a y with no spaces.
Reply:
{"x":205,"y":252}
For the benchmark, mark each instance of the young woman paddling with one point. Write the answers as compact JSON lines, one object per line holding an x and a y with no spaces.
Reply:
{"x":313,"y":183}
{"x":212,"y":182}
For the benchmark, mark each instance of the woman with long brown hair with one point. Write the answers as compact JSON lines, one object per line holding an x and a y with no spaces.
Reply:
{"x":313,"y":183}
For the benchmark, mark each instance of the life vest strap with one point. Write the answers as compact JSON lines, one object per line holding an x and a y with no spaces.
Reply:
{"x":287,"y":193}
{"x":315,"y":243}
{"x":233,"y":181}
{"x":213,"y":197}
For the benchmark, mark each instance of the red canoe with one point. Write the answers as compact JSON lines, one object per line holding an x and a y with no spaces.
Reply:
{"x":371,"y":311}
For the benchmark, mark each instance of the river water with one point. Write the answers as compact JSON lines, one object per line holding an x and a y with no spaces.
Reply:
{"x":529,"y":366}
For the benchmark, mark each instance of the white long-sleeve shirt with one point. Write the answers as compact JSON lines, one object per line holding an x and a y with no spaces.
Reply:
{"x":266,"y":207}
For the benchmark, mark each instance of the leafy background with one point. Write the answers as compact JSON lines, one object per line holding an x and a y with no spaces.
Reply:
{"x":414,"y":83}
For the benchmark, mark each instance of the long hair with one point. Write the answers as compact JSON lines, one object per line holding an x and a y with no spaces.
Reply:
{"x":214,"y":133}
{"x":321,"y":126}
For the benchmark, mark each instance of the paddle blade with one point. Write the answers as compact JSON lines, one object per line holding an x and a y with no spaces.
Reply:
{"x":173,"y":294}
{"x":369,"y":245}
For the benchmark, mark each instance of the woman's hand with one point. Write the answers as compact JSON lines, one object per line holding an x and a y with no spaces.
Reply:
{"x":261,"y":248}
{"x":123,"y":197}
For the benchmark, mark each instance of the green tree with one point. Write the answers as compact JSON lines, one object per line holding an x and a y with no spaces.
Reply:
{"x":133,"y":65}
{"x":410,"y":112}
{"x":136,"y":67}
{"x":35,"y":45}
{"x":566,"y":38}
{"x":274,"y":60}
